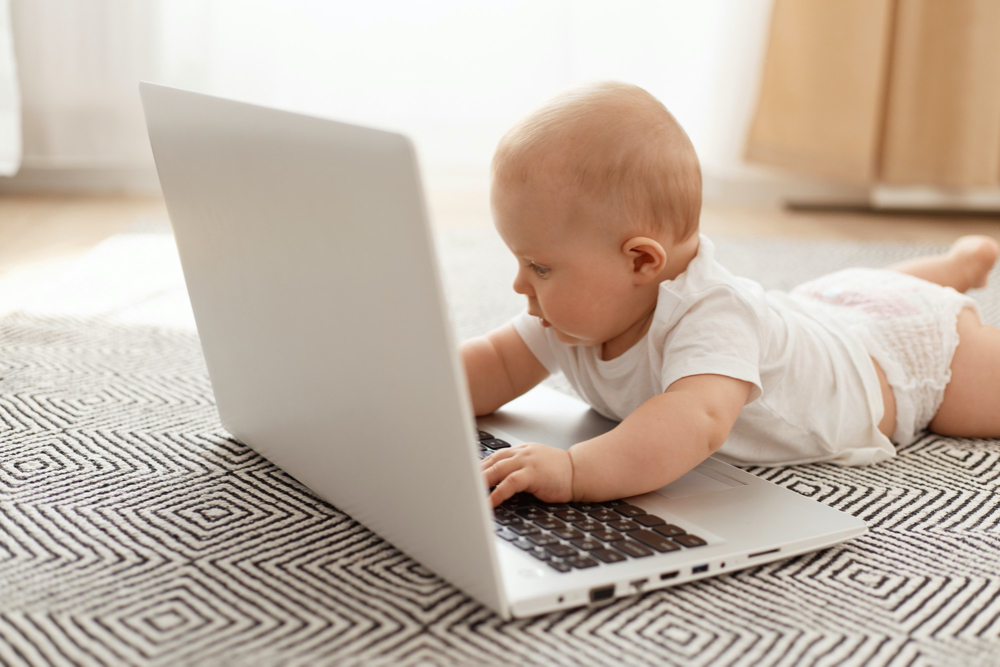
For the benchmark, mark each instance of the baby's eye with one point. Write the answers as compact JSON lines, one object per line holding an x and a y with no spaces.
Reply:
{"x":540,"y":270}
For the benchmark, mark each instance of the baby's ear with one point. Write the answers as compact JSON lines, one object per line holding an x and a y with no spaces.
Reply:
{"x":647,"y":256}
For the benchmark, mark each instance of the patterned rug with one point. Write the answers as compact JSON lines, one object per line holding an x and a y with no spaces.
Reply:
{"x":134,"y":530}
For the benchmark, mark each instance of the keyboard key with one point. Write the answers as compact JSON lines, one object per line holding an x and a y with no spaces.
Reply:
{"x":669,"y":529}
{"x":562,"y":550}
{"x":516,"y":501}
{"x":571,"y":515}
{"x":506,"y":534}
{"x":554,"y":507}
{"x":483,"y":453}
{"x":613,"y":503}
{"x":523,"y":543}
{"x":493,"y":443}
{"x":690,"y":540}
{"x":649,"y":520}
{"x":608,"y":555}
{"x":539,"y":553}
{"x":549,"y":523}
{"x":586,"y":507}
{"x":605,"y":514}
{"x":582,"y":562}
{"x":544,"y":539}
{"x":523,"y":529}
{"x":633,"y":549}
{"x":607,"y":535}
{"x":483,"y":435}
{"x":560,"y":565}
{"x":532,"y":513}
{"x":629,"y":510}
{"x":589,"y":525}
{"x":624,"y":525}
{"x":587,"y":544}
{"x":651,"y":539}
{"x":567,"y":533}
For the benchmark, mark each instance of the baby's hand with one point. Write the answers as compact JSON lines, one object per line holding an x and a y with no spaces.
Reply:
{"x":543,"y":471}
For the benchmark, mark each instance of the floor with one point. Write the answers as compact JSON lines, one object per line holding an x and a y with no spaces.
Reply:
{"x":38,"y":231}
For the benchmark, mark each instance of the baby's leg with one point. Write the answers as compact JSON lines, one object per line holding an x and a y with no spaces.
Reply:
{"x":966,"y":264}
{"x":971,"y":406}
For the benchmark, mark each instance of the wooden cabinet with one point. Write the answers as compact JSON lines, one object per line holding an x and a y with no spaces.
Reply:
{"x":897,"y":92}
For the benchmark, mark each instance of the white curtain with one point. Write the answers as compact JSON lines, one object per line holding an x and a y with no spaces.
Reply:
{"x":10,"y":98}
{"x":79,"y":64}
{"x":452,"y":74}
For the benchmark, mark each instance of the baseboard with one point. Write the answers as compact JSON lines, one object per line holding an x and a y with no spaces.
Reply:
{"x":141,"y":180}
{"x":742,"y":189}
{"x":924,"y":198}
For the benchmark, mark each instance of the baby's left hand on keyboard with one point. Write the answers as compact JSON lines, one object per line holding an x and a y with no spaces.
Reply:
{"x":543,"y":471}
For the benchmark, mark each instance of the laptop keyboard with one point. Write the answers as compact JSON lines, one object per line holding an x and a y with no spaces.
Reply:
{"x":568,"y":536}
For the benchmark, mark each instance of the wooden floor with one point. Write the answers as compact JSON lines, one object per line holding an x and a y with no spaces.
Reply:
{"x":38,"y":231}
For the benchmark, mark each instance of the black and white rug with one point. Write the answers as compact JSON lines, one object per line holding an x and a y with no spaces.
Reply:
{"x":134,"y":530}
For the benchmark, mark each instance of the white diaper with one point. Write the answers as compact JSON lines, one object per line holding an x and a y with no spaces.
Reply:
{"x":909,"y":326}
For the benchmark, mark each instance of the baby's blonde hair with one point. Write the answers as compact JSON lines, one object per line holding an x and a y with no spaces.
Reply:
{"x":612,"y":141}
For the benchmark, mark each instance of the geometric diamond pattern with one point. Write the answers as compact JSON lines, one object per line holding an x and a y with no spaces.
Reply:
{"x":135,"y":530}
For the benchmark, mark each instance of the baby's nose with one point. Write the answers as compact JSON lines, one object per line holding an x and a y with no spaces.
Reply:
{"x":521,"y":285}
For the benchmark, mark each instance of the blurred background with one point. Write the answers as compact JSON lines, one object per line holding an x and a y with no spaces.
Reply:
{"x":452,"y":74}
{"x":805,"y":102}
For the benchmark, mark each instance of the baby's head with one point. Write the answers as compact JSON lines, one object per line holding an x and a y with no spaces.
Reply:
{"x":598,"y":194}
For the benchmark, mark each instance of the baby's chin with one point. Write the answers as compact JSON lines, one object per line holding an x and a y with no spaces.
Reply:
{"x":567,"y":339}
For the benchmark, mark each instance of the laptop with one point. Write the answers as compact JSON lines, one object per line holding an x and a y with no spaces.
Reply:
{"x":308,"y":258}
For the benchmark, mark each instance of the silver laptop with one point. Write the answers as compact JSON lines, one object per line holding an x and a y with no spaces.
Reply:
{"x":308,"y":259}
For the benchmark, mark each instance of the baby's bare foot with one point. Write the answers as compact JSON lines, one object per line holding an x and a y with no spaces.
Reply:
{"x":976,"y":255}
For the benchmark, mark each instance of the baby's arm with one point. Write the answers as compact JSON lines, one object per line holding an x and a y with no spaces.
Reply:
{"x":661,"y":440}
{"x":499,"y":368}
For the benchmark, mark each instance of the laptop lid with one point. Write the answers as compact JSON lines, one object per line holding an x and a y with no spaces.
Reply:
{"x":308,"y":260}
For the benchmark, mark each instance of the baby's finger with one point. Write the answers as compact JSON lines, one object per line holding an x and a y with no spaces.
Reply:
{"x":511,"y":484}
{"x":494,"y":474}
{"x":498,"y":455}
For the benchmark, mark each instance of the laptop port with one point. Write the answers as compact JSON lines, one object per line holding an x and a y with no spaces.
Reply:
{"x":602,"y":593}
{"x":669,"y":575}
{"x":639,"y":583}
{"x":763,"y":553}
{"x":698,"y":569}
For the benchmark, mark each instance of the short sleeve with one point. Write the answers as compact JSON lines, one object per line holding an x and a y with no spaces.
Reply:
{"x":532,"y":332}
{"x":720,"y":334}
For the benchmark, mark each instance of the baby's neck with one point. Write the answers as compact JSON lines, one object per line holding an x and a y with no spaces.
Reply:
{"x":678,"y":257}
{"x":621,"y":343}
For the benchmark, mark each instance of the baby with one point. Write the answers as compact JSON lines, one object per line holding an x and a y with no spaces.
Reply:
{"x":598,"y":194}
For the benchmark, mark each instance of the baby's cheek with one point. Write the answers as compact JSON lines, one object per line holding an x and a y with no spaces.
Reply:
{"x":570,"y":319}
{"x":599,"y":311}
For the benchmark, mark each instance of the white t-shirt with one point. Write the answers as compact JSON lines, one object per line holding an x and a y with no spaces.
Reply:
{"x":816,"y":395}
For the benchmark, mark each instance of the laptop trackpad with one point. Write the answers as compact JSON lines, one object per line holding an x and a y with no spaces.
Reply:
{"x":696,"y":482}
